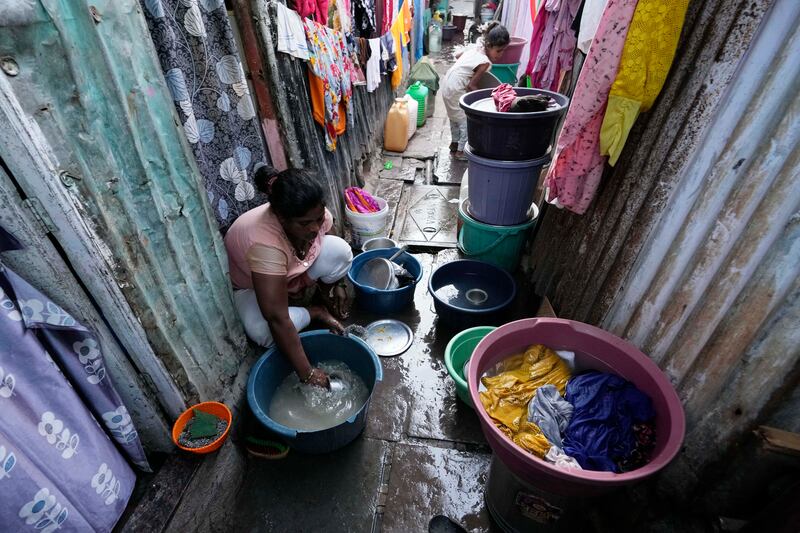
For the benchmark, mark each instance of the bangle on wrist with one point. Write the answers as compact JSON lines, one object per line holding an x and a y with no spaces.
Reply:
{"x":309,"y":376}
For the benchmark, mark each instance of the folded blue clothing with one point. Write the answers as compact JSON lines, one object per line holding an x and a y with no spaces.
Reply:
{"x":600,"y":433}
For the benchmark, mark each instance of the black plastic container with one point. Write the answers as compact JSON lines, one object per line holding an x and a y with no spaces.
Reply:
{"x":474,"y":293}
{"x":511,"y":136}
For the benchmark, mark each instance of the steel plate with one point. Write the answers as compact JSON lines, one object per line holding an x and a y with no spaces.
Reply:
{"x":389,"y":337}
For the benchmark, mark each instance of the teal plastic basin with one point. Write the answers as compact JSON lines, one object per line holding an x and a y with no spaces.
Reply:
{"x":458,"y":352}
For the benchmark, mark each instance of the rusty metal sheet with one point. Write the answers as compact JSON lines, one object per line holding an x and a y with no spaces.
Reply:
{"x":428,"y":217}
{"x":135,"y":225}
{"x":692,"y":248}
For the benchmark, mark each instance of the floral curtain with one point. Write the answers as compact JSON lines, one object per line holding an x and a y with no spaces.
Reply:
{"x":59,"y":410}
{"x":200,"y":60}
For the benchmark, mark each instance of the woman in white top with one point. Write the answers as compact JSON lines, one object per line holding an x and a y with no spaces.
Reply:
{"x":463,"y":77}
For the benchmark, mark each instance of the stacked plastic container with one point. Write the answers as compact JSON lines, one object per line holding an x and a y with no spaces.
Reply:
{"x":506,"y":153}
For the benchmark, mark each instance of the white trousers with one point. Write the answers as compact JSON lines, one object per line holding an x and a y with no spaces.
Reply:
{"x":330,"y":266}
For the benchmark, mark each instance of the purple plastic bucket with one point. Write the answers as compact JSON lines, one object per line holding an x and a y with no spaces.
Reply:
{"x":594,"y":349}
{"x":501,"y":192}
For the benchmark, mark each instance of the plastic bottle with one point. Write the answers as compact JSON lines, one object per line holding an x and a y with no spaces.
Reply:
{"x":419,"y":92}
{"x":435,"y":34}
{"x":395,"y":132}
{"x":413,"y":109}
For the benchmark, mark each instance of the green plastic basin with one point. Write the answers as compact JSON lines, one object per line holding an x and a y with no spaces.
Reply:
{"x":458,"y":352}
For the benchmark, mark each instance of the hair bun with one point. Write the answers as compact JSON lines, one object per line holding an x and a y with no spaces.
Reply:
{"x":264,"y":178}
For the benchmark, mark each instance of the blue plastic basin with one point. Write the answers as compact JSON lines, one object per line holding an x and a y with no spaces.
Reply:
{"x":384,"y":301}
{"x":321,"y":345}
{"x":471,"y":293}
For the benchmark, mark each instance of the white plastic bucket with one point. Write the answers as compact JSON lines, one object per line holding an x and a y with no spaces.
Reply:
{"x":365,"y":226}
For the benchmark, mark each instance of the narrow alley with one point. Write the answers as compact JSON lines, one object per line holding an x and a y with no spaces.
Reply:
{"x":400,"y":266}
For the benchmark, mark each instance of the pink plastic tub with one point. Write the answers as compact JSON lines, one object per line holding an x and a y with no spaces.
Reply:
{"x":594,"y":349}
{"x":513,"y":51}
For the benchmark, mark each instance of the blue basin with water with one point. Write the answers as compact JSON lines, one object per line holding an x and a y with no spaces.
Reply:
{"x":384,"y":301}
{"x":321,"y":345}
{"x":471,"y":293}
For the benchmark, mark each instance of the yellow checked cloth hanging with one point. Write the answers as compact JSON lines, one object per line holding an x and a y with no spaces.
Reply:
{"x":646,"y":59}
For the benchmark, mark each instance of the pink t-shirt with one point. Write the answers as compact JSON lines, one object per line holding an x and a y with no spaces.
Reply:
{"x":260,"y":228}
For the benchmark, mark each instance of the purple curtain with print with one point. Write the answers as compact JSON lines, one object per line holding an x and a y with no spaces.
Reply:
{"x":59,"y":411}
{"x":201,"y":64}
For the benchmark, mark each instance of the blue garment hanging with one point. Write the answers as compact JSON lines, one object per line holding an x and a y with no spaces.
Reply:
{"x":419,"y":30}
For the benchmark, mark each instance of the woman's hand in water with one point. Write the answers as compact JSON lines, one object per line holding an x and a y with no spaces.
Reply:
{"x":318,"y":378}
{"x":321,"y":314}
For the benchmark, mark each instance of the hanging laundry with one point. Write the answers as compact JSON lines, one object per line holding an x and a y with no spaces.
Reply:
{"x":354,"y":52}
{"x":558,"y":44}
{"x":550,"y":412}
{"x":592,"y":12}
{"x":508,"y":394}
{"x":316,"y":10}
{"x":557,"y":456}
{"x":405,"y":12}
{"x":606,"y":408}
{"x":388,"y":59}
{"x":400,"y":37}
{"x":388,"y":15}
{"x":364,"y":52}
{"x":646,"y":60}
{"x":339,"y":16}
{"x":374,"y":65}
{"x":419,"y":30}
{"x":291,"y":32}
{"x":364,"y":18}
{"x":577,"y":167}
{"x":537,"y":34}
{"x":330,"y":61}
{"x":316,"y":89}
{"x":523,"y":27}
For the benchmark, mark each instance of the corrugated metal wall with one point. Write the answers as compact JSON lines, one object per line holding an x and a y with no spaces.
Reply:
{"x":303,"y":138}
{"x":692,"y":248}
{"x":90,"y":100}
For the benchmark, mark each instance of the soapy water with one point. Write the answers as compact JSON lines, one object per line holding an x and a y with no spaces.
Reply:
{"x":306,"y":407}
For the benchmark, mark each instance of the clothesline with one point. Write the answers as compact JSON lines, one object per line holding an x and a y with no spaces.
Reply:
{"x":337,"y":61}
{"x":629,"y":47}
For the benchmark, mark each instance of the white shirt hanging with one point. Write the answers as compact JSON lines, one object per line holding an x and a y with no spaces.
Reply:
{"x":291,"y":34}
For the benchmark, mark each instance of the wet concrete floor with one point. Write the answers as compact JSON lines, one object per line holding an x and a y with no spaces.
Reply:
{"x":421,"y":454}
{"x":423,"y":183}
